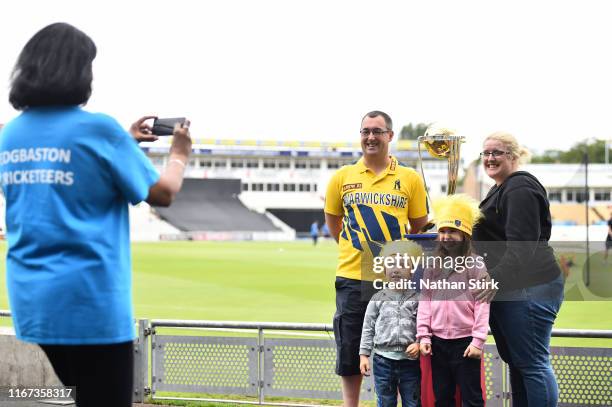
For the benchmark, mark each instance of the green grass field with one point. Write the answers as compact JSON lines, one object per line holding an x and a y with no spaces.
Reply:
{"x":267,"y":281}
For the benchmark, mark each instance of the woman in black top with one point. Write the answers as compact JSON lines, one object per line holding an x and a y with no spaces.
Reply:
{"x":514,"y":234}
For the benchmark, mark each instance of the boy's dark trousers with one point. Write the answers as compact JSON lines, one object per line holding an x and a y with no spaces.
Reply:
{"x":450,"y":368}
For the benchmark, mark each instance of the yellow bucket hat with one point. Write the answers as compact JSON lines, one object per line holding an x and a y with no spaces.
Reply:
{"x":458,"y":211}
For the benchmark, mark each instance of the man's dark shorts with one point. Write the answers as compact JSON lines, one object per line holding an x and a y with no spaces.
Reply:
{"x":351,"y":304}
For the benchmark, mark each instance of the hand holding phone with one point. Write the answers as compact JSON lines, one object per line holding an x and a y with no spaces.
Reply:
{"x":141,"y":130}
{"x":165,"y":127}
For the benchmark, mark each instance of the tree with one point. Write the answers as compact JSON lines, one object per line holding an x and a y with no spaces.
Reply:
{"x":547,"y":157}
{"x":410,"y":132}
{"x":595,"y":148}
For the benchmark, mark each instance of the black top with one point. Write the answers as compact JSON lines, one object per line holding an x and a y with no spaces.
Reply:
{"x":517,"y":212}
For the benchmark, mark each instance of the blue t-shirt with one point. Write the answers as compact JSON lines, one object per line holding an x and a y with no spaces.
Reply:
{"x":68,"y":176}
{"x":325,"y":229}
{"x":314,"y":230}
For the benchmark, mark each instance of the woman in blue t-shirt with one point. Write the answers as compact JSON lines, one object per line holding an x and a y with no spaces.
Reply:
{"x":68,"y":176}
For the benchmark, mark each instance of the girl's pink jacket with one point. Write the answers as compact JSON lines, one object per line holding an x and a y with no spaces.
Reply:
{"x":452,"y":313}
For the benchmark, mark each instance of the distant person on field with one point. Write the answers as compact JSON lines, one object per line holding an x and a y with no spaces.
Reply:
{"x":68,"y":177}
{"x":374,"y":200}
{"x":325,"y":231}
{"x":314,"y":232}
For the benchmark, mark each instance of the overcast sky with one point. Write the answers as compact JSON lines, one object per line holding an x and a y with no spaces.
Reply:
{"x":308,"y":70}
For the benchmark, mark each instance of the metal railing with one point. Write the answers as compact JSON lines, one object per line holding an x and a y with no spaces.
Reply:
{"x":259,"y":366}
{"x":283,"y":365}
{"x":258,"y":363}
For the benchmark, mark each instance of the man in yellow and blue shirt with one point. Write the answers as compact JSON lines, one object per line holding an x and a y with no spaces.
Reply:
{"x":373,"y":201}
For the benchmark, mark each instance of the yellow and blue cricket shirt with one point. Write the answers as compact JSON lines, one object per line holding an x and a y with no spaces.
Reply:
{"x":375,"y":209}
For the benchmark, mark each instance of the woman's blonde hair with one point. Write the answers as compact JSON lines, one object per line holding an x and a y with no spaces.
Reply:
{"x":520,"y":153}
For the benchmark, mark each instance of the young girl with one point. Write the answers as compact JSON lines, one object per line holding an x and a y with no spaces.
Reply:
{"x":389,"y":332}
{"x":451,"y":325}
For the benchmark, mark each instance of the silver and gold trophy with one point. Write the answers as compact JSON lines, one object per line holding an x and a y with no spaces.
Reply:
{"x":443,"y":143}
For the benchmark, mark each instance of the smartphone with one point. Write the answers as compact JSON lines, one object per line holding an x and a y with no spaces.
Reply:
{"x":165,"y":127}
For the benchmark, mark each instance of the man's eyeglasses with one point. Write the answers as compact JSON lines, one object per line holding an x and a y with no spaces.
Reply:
{"x":375,"y":131}
{"x":494,"y":153}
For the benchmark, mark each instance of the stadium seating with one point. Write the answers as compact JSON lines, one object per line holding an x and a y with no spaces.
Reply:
{"x":146,"y":226}
{"x":213,"y":205}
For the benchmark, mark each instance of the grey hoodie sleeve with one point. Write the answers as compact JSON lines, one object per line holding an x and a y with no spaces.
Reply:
{"x":367,"y":333}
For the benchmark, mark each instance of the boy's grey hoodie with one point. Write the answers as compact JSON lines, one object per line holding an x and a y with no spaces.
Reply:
{"x":390,"y":322}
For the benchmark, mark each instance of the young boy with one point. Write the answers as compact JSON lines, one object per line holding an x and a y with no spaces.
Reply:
{"x":389,"y":331}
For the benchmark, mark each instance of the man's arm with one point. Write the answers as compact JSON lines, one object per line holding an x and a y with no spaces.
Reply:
{"x":334,"y":224}
{"x":416,"y":224}
{"x":417,"y":204}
